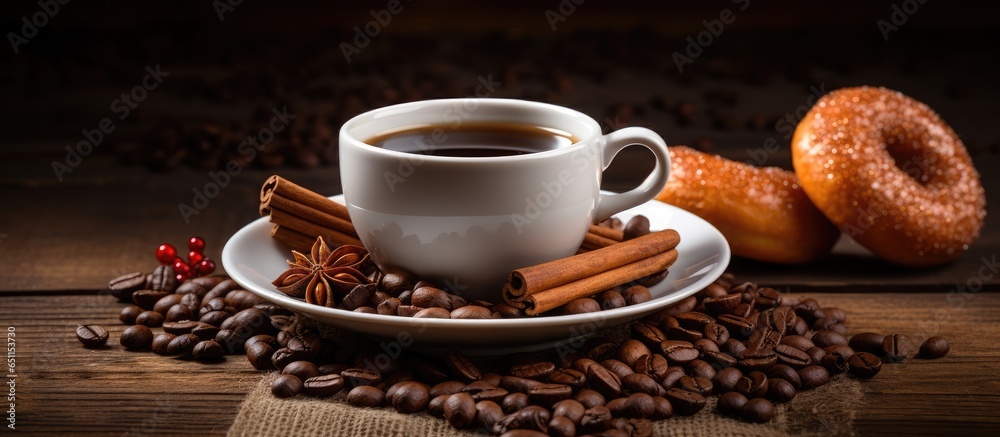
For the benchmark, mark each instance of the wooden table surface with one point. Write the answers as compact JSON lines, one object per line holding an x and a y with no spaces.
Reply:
{"x":61,"y":243}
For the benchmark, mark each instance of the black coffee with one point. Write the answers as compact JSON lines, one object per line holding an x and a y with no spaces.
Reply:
{"x":473,"y":140}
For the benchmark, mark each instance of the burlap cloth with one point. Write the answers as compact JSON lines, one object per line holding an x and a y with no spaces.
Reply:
{"x":826,"y":411}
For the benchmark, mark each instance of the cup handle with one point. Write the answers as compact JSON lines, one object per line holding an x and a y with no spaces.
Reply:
{"x":614,"y":142}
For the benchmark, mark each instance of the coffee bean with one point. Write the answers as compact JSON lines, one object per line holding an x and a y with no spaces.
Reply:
{"x":768,"y":297}
{"x":781,"y":371}
{"x":123,"y":286}
{"x":395,"y":283}
{"x":639,"y":405}
{"x":432,"y":313}
{"x":719,"y":360}
{"x":259,"y":354}
{"x":734,"y":348}
{"x":460,"y":410}
{"x":604,"y":381}
{"x":630,"y":350}
{"x":617,"y":367}
{"x":193,"y":288}
{"x":302,"y":369}
{"x":610,"y":299}
{"x":636,"y":227}
{"x":757,"y":410}
{"x":799,"y":327}
{"x":129,"y":314}
{"x":758,"y":362}
{"x":146,"y":299}
{"x":356,"y":377}
{"x":431,"y":297}
{"x":571,"y":377}
{"x":561,"y":426}
{"x":685,"y":403}
{"x":569,"y":408}
{"x":462,"y":367}
{"x":725,"y":380}
{"x":446,"y":387}
{"x":136,"y":337}
{"x":150,"y":319}
{"x":163,"y":279}
{"x":595,"y":419}
{"x":780,"y":391}
{"x":731,"y":403}
{"x":828,"y":338}
{"x":182,"y":345}
{"x":674,"y":374}
{"x":870,"y":342}
{"x":642,"y":383}
{"x":533,"y":370}
{"x":649,"y":335}
{"x":753,"y":385}
{"x":816,"y":354}
{"x":488,"y":413}
{"x":205,"y":331}
{"x":548,"y":394}
{"x":221,"y":289}
{"x":695,"y":384}
{"x":514,"y":401}
{"x":688,"y":335}
{"x":412,"y":397}
{"x":179,"y":328}
{"x":738,"y":327}
{"x":763,"y":341}
{"x":895,"y":348}
{"x":365,"y":396}
{"x":248,"y":323}
{"x":716,"y":333}
{"x":323,"y":385}
{"x":701,"y":368}
{"x":694,"y":320}
{"x":654,"y":365}
{"x":590,"y":398}
{"x":934,"y":347}
{"x":772,"y":319}
{"x":637,"y":294}
{"x":471,"y":312}
{"x":864,"y":365}
{"x":286,"y":386}
{"x":160,"y":343}
{"x":813,"y":376}
{"x":92,"y":336}
{"x":532,"y":418}
{"x":230,"y":341}
{"x":207,"y":350}
{"x":799,"y":342}
{"x":679,"y":352}
{"x":516,"y":384}
{"x":791,"y":356}
{"x":214,"y":318}
{"x":482,"y":390}
{"x":722,"y":304}
{"x":581,"y":306}
{"x":163,"y":305}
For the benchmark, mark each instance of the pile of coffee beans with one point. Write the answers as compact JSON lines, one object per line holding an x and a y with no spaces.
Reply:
{"x":751,"y":346}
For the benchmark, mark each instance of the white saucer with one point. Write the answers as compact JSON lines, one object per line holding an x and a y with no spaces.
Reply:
{"x":253,"y":259}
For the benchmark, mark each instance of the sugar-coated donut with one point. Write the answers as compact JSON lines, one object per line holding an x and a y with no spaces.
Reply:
{"x":763,"y":212}
{"x":891,"y":174}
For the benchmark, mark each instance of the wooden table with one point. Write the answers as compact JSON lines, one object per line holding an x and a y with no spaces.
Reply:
{"x":61,"y":243}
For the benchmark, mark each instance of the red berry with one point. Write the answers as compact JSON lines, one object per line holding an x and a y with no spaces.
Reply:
{"x":194,"y":258}
{"x":181,"y":267}
{"x":206,"y":267}
{"x":165,"y":254}
{"x":196,"y":244}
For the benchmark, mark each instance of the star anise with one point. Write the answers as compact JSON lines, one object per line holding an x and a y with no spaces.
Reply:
{"x":324,"y":274}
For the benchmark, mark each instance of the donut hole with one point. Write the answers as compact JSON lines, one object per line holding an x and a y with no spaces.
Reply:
{"x":910,"y":157}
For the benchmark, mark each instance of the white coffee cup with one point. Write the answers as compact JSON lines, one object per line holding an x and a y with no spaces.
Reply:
{"x":465,"y":222}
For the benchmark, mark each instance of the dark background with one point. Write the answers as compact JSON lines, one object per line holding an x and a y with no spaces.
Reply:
{"x":611,"y":60}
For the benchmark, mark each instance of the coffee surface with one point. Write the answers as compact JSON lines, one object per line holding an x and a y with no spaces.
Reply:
{"x":473,"y":140}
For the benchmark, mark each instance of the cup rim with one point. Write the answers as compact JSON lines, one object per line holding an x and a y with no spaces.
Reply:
{"x":377,"y":113}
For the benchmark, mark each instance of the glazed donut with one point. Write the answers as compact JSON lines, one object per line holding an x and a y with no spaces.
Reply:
{"x":763,"y":212}
{"x":891,"y":174}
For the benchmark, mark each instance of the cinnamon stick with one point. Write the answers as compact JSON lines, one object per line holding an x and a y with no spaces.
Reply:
{"x":595,"y":241}
{"x":530,"y":280}
{"x":285,"y":188}
{"x":607,"y":232}
{"x":294,"y":239}
{"x":279,"y":202}
{"x":549,"y":299}
{"x":306,"y":227}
